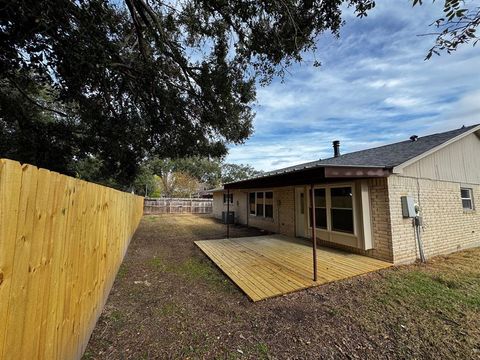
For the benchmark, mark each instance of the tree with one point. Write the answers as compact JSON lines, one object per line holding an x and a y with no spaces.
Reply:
{"x":32,"y":135}
{"x":177,"y":184}
{"x":205,"y":170}
{"x":458,"y":26}
{"x":145,"y":183}
{"x":120,"y":83}
{"x":237,"y":172}
{"x":185,"y":184}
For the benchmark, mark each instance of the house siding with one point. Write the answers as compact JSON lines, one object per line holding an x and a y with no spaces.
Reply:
{"x":283,"y":220}
{"x":447,"y":227}
{"x":238,"y":206}
{"x":457,"y":162}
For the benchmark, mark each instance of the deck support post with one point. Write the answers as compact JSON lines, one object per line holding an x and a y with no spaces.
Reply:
{"x":314,"y":232}
{"x":228,"y":214}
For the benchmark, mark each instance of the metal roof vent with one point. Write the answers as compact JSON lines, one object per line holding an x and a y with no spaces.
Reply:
{"x":413,"y":138}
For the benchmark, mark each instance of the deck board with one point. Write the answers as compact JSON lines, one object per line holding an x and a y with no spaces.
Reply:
{"x":273,"y":265}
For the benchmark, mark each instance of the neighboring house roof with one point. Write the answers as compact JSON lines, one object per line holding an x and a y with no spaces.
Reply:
{"x":385,"y":157}
{"x":220,"y":189}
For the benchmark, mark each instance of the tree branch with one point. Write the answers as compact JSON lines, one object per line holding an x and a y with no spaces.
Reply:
{"x":34,"y":102}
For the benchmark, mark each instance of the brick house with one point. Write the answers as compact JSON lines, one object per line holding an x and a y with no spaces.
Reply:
{"x":358,"y":197}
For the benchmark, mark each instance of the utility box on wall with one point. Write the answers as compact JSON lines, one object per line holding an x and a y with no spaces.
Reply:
{"x":408,"y":207}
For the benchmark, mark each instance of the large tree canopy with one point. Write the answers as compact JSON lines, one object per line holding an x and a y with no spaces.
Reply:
{"x":88,"y":78}
{"x":102,"y":85}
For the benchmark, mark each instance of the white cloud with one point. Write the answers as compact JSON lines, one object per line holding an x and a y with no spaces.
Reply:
{"x":374,"y":88}
{"x":403,"y":101}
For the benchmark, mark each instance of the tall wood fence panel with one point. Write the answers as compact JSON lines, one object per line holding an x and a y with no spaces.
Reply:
{"x":178,"y":206}
{"x":62,"y":241}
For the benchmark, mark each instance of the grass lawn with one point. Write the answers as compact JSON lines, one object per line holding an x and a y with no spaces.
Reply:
{"x":169,"y":301}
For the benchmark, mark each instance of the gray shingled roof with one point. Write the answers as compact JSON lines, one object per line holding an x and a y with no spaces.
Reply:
{"x":387,"y":156}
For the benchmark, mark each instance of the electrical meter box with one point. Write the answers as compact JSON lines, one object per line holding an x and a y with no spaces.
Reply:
{"x":408,"y":207}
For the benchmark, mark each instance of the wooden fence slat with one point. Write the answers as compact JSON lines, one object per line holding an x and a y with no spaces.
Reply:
{"x":42,"y":317}
{"x":17,"y":304}
{"x":62,"y":241}
{"x":10,"y":186}
{"x":35,"y":274}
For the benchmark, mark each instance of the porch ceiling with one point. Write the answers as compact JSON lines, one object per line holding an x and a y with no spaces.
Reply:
{"x":315,"y":175}
{"x":272,"y":265}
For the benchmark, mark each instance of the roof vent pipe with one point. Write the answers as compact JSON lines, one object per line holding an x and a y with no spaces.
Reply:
{"x":414,"y":138}
{"x":336,"y":148}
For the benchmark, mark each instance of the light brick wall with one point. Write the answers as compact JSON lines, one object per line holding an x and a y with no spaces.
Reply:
{"x":380,"y":214}
{"x":283,"y":221}
{"x":447,"y":227}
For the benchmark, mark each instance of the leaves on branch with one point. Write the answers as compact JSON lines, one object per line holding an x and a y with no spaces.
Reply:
{"x":456,"y":28}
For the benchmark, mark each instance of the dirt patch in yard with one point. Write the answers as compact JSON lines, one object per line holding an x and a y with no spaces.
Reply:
{"x":169,"y":301}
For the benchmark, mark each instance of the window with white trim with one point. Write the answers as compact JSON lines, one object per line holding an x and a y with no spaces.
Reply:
{"x":226,"y":197}
{"x":261,"y":204}
{"x":467,"y":198}
{"x":252,"y":203}
{"x":320,"y":208}
{"x":341,"y":210}
{"x":338,"y":203}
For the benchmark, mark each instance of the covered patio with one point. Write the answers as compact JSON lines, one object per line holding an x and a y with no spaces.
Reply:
{"x":272,"y":265}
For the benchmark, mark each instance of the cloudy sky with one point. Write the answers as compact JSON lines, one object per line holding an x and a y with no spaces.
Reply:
{"x":373,"y":88}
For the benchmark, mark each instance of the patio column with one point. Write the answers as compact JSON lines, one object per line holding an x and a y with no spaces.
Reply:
{"x":314,"y":233}
{"x":228,"y":214}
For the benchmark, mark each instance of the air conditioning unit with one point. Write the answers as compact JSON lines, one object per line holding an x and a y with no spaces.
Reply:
{"x":231,"y":217}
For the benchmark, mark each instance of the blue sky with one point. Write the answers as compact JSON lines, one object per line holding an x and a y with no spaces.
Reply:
{"x":373,"y":88}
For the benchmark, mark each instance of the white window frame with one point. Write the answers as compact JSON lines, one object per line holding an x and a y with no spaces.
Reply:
{"x":264,"y":198}
{"x":225,"y":196}
{"x":470,"y":198}
{"x":328,"y":199}
{"x":309,"y":201}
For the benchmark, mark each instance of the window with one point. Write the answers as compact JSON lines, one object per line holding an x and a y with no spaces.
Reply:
{"x":261,"y":203}
{"x":269,"y":204}
{"x":226,"y":196}
{"x":333,"y":209}
{"x":320,"y":208}
{"x":252,"y":203}
{"x":467,"y":198}
{"x":342,"y":209}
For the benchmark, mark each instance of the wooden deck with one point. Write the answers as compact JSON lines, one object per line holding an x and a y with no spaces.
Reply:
{"x":272,"y":265}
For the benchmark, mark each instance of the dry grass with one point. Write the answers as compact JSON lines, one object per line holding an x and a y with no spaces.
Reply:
{"x":170,"y":301}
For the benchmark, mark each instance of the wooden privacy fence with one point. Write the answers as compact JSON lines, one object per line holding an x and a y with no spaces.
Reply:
{"x":178,"y":205}
{"x":62,"y":241}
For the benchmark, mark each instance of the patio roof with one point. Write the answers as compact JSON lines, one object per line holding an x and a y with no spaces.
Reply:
{"x":273,"y":265}
{"x":313,"y":175}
